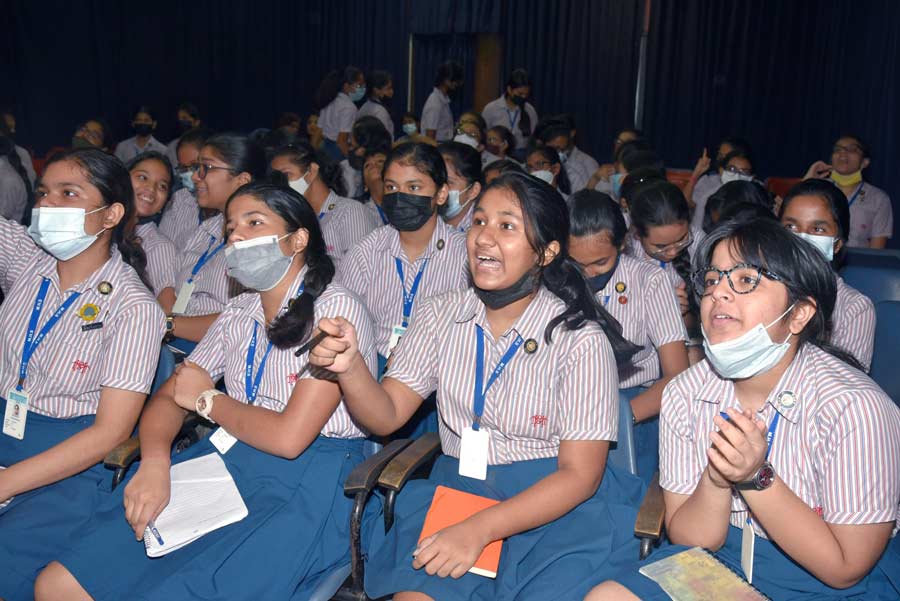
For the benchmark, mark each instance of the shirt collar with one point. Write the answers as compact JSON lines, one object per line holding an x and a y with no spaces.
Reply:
{"x":107,"y":272}
{"x":529,"y":325}
{"x":253,"y":305}
{"x":439,"y":238}
{"x":443,"y":97}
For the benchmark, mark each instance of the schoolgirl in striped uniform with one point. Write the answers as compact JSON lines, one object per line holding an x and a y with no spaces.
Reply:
{"x":289,"y":442}
{"x":80,"y":343}
{"x":183,"y":215}
{"x":464,"y":180}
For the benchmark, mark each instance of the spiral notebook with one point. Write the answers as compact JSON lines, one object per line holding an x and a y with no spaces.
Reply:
{"x":696,"y":575}
{"x":204,"y":498}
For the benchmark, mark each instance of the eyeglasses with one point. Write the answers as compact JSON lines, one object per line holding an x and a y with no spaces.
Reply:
{"x":673,"y":248}
{"x":738,"y":170}
{"x":203,"y":168}
{"x":743,"y":278}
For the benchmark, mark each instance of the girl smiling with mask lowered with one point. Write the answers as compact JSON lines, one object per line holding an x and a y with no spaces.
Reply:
{"x":464,"y":179}
{"x":817,"y":211}
{"x":774,"y":443}
{"x":286,"y":436}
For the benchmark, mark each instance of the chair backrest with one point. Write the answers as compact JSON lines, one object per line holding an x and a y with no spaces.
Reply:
{"x":887,"y":326}
{"x":781,"y":185}
{"x":622,"y":453}
{"x":679,"y":177}
{"x":876,"y":277}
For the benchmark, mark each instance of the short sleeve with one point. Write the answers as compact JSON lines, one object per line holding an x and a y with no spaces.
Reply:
{"x":353,"y":272}
{"x":431,"y":115}
{"x":161,"y":261}
{"x":883,"y":220}
{"x":350,"y":308}
{"x":414,"y":361}
{"x":589,"y":391}
{"x":15,"y":246}
{"x":679,"y":466}
{"x":346,"y":115}
{"x":664,"y":322}
{"x":132,"y":349}
{"x":210,"y":351}
{"x":356,"y":224}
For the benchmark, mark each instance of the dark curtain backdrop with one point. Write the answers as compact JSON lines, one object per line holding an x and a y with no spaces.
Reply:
{"x":432,"y":50}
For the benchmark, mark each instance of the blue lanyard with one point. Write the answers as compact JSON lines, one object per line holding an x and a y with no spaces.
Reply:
{"x":321,"y":214}
{"x":409,"y":297}
{"x":480,"y":389}
{"x":513,"y":117}
{"x":384,"y":218}
{"x":206,"y":256}
{"x":855,"y":194}
{"x":606,"y":299}
{"x":771,"y":433}
{"x":251,"y":384}
{"x":32,"y":341}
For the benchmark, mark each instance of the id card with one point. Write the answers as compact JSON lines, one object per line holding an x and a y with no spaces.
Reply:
{"x":396,"y":334}
{"x":473,"y":453}
{"x":184,"y":296}
{"x":222,"y":440}
{"x":16,"y":413}
{"x":748,"y":541}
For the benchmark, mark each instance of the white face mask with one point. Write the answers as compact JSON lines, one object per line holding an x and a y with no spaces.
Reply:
{"x":186,"y":180}
{"x":751,"y":353}
{"x":300,"y":185}
{"x":257,"y":263}
{"x":730,"y":176}
{"x":824,"y":244}
{"x":467,"y":140}
{"x":543,"y":175}
{"x":60,"y":230}
{"x":409,"y":128}
{"x":453,"y":206}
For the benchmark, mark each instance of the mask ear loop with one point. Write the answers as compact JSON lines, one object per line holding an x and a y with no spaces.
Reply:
{"x":102,"y":229}
{"x":786,"y":311}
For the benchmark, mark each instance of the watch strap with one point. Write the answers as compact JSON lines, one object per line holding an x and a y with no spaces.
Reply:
{"x":204,"y":403}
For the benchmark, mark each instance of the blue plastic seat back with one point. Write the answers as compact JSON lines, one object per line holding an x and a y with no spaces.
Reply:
{"x":884,"y":367}
{"x":875,"y":273}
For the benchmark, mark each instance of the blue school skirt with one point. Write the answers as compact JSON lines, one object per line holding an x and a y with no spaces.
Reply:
{"x":646,"y":439}
{"x":297,"y":531}
{"x":37,"y":526}
{"x":423,"y":420}
{"x":776,"y":575}
{"x":554,"y":561}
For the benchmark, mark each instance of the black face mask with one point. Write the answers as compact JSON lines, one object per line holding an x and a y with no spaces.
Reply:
{"x":497,"y":299}
{"x":518,"y":100}
{"x":184,"y":126}
{"x":599,"y":282}
{"x":407,"y":212}
{"x":143,"y":129}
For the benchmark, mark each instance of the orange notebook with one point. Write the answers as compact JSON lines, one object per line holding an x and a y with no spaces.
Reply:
{"x":450,"y":506}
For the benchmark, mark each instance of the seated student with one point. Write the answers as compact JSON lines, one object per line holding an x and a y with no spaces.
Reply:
{"x":559,"y":134}
{"x":183,"y":215}
{"x":633,"y":156}
{"x":494,"y":170}
{"x":295,"y":444}
{"x":368,"y":132}
{"x":543,"y":163}
{"x":638,"y":295}
{"x":626,"y":186}
{"x":227,"y":162}
{"x":80,"y":342}
{"x":411,"y":132}
{"x":547,"y":412}
{"x":151,"y":179}
{"x":809,"y":451}
{"x":437,"y":117}
{"x":335,"y":101}
{"x":708,"y":176}
{"x":732,"y":197}
{"x":312,"y":174}
{"x":93,"y":132}
{"x":380,"y":88}
{"x":498,"y":143}
{"x":143,"y":123}
{"x":513,"y":112}
{"x":374,"y":184}
{"x":871,"y":214}
{"x":464,"y":180}
{"x":599,"y":180}
{"x":15,"y":185}
{"x":313,"y":131}
{"x":186,"y":118}
{"x":815,"y":211}
{"x":471,"y":130}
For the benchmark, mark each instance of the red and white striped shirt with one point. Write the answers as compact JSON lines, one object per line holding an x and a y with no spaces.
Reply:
{"x":345,"y":222}
{"x":549,"y":392}
{"x":223,"y":352}
{"x":211,"y":284}
{"x":853,"y":323}
{"x":72,"y":364}
{"x":181,"y":219}
{"x":648,"y":311}
{"x":837,"y":447}
{"x":370,"y":270}
{"x":161,"y":257}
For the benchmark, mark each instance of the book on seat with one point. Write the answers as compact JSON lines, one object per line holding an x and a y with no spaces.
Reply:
{"x":696,"y":575}
{"x":450,"y":506}
{"x":204,"y":498}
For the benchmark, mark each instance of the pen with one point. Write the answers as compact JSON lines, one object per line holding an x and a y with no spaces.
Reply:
{"x":311,"y":343}
{"x":724,"y":415}
{"x":152,"y":528}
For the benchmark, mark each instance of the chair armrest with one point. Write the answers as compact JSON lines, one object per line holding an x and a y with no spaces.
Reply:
{"x":404,"y":465}
{"x":121,"y":458}
{"x":651,"y":517}
{"x":365,"y":475}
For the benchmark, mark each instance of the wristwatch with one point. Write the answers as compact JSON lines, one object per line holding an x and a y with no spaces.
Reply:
{"x":170,"y":328}
{"x":761,"y":480}
{"x":204,"y":403}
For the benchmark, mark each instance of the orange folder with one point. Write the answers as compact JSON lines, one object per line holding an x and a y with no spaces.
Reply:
{"x":450,"y":506}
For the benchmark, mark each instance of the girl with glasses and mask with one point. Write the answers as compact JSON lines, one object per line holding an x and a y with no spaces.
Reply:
{"x":640,"y":297}
{"x":817,"y":211}
{"x":336,"y":101}
{"x":182,"y":215}
{"x":226,"y":162}
{"x":529,"y":327}
{"x":143,"y":124}
{"x":80,"y":343}
{"x":464,"y":180}
{"x":774,"y":439}
{"x":419,"y":255}
{"x":320,"y":181}
{"x":543,"y":163}
{"x":284,"y":432}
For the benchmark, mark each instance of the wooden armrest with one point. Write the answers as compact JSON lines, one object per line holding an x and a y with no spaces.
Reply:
{"x":650,"y":518}
{"x":123,"y":455}
{"x":404,"y":465}
{"x":365,"y":475}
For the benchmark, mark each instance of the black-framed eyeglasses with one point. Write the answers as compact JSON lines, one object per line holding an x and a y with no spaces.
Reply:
{"x":743,"y":278}
{"x":203,"y":168}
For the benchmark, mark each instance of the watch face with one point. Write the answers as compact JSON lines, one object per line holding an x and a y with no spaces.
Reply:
{"x":201,"y":405}
{"x":765,"y":477}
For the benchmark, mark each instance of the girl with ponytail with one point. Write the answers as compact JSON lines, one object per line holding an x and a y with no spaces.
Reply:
{"x":540,"y":354}
{"x":284,"y":433}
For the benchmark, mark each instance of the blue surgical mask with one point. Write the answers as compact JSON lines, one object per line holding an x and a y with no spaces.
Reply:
{"x":616,"y":181}
{"x":257,"y":263}
{"x":358,"y":94}
{"x":409,"y":128}
{"x":751,"y":353}
{"x":824,"y":244}
{"x":453,"y":206}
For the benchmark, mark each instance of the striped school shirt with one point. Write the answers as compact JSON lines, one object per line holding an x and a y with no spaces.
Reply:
{"x":211,"y":284}
{"x":370,"y":206}
{"x":223,"y":352}
{"x":181,"y":218}
{"x":466,"y":223}
{"x":161,"y":257}
{"x":634,"y":248}
{"x":871,"y":215}
{"x":370,"y":270}
{"x":853,"y":323}
{"x":345,"y":222}
{"x":563,"y":390}
{"x":71,"y":366}
{"x":648,"y":311}
{"x":837,"y":448}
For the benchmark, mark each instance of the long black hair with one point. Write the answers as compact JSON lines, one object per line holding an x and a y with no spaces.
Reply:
{"x":107,"y":173}
{"x":465,"y":159}
{"x":242,"y":154}
{"x":728,"y":200}
{"x":547,"y":219}
{"x":424,"y":157}
{"x":797,"y":263}
{"x":837,"y":205}
{"x":552,"y":156}
{"x":303,"y":155}
{"x":152,"y":155}
{"x":592,"y":212}
{"x":293,"y":326}
{"x":333,"y":83}
{"x":376,"y":80}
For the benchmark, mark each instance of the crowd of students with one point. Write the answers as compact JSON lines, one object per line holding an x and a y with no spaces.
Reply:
{"x":478,"y":276}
